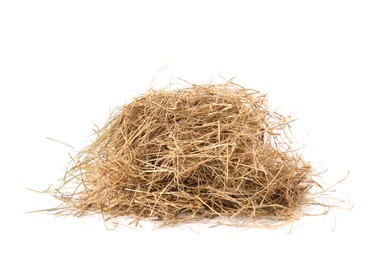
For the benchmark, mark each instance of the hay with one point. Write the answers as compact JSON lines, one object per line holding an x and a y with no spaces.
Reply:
{"x":192,"y":153}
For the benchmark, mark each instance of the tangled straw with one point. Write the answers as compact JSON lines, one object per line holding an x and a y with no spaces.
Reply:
{"x":200,"y":151}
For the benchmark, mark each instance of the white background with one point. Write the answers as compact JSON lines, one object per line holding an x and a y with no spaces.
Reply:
{"x":64,"y":64}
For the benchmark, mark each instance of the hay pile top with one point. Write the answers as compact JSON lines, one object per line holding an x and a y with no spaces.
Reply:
{"x":200,"y":151}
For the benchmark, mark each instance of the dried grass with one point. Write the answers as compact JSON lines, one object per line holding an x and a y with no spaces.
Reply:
{"x":182,"y":155}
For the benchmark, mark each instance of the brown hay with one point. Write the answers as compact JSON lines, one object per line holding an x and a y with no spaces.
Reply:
{"x":200,"y":151}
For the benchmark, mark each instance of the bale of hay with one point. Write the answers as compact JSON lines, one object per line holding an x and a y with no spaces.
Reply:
{"x":196,"y":152}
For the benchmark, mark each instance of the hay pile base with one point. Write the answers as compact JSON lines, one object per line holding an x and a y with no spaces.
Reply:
{"x":200,"y":151}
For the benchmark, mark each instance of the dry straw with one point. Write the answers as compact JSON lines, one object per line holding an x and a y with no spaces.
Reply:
{"x":188,"y":154}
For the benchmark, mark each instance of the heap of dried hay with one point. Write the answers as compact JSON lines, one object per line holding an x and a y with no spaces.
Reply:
{"x":201,"y":151}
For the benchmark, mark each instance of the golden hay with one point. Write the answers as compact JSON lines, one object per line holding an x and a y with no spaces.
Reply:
{"x":200,"y":151}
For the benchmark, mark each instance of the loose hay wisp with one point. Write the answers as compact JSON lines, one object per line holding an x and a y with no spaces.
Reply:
{"x":197,"y":152}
